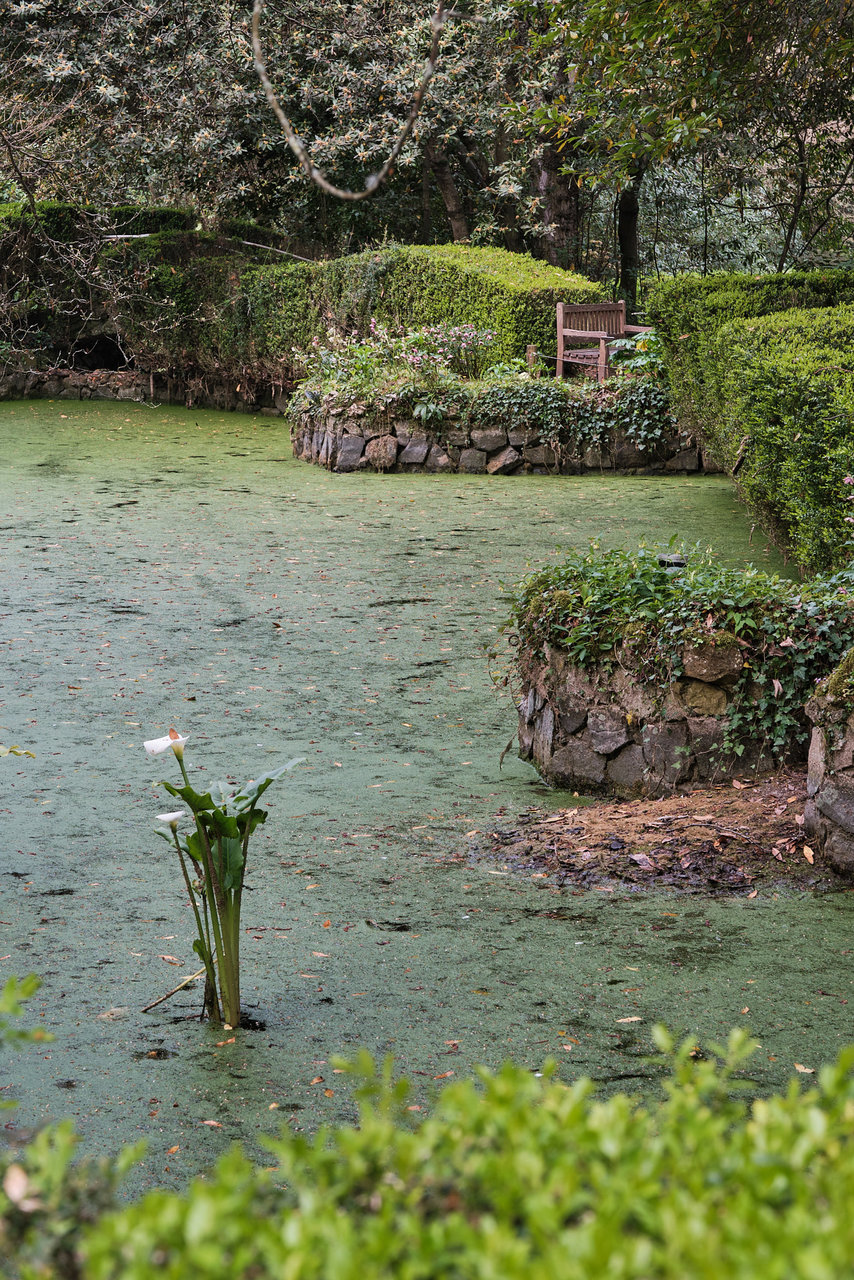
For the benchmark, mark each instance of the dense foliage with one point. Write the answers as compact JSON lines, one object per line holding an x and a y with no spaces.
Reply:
{"x":213,"y":303}
{"x":761,"y":368}
{"x":633,"y":609}
{"x":509,"y":1176}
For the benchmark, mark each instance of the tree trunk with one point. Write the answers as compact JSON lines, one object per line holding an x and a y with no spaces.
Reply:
{"x":560,"y":196}
{"x":627,"y":237}
{"x":441,"y":170}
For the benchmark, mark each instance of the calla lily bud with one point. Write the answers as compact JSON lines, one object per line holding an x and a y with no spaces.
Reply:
{"x":173,"y":739}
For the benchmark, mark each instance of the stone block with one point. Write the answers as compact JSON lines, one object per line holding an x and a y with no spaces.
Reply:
{"x":459,"y":439}
{"x":817,"y":761}
{"x":472,"y":461}
{"x":835,"y":801}
{"x":540,"y":455}
{"x":543,"y":735}
{"x":577,"y":764}
{"x":703,"y":699}
{"x":608,"y":729}
{"x":381,"y":452}
{"x":625,"y":773}
{"x":705,"y":738}
{"x":684,"y":460}
{"x":719,"y":658}
{"x":415,"y":453}
{"x":526,"y":740}
{"x":635,"y":699}
{"x":596,"y":459}
{"x":838,"y":848}
{"x":665,"y":750}
{"x":325,"y":450}
{"x":489,"y":438}
{"x":504,"y":461}
{"x":438,"y":460}
{"x":350,"y":452}
{"x":544,"y":727}
{"x":520,"y":437}
{"x":628,"y":455}
{"x":711,"y":467}
{"x":571,"y":714}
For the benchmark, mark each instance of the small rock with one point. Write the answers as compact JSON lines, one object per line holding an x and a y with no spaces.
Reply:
{"x":472,"y":461}
{"x":489,"y":439}
{"x":608,"y":729}
{"x":381,"y":452}
{"x":717,"y":659}
{"x":507,"y":460}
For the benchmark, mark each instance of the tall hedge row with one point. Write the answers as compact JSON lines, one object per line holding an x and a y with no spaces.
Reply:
{"x":286,"y":305}
{"x":761,"y":368}
{"x":211,"y":303}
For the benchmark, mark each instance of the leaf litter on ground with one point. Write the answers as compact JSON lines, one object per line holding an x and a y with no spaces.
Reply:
{"x":724,"y":839}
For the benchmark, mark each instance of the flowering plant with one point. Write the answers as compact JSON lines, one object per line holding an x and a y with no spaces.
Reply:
{"x":216,"y":850}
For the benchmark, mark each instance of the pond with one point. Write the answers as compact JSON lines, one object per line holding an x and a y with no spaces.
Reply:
{"x":179,"y":568}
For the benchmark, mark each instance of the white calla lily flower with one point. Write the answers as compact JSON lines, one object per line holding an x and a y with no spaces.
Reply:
{"x":172,"y":818}
{"x":173,"y":739}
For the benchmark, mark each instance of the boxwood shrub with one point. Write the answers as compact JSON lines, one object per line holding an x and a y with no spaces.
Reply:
{"x":761,"y":369}
{"x":784,"y":387}
{"x":509,"y":1177}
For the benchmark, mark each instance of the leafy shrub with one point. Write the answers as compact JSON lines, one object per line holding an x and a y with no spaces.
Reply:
{"x":687,"y":311}
{"x":605,"y":607}
{"x":770,"y":394}
{"x":516,"y":1177}
{"x":784,"y":391}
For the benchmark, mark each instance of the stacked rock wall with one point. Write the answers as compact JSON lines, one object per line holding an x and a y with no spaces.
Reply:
{"x":349,"y":439}
{"x":829,"y":811}
{"x":603,"y":732}
{"x":144,"y":388}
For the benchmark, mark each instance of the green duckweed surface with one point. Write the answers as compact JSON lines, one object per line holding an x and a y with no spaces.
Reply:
{"x":178,"y":568}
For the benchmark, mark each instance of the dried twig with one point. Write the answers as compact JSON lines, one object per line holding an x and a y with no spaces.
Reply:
{"x":186,"y":982}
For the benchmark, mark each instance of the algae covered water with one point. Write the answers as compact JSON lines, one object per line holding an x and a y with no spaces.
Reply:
{"x":179,"y":568}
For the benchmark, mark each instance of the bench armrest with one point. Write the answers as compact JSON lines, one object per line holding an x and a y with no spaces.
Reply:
{"x":595,"y":335}
{"x":638,"y":328}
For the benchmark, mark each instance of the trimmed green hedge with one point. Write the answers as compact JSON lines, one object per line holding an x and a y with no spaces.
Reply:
{"x":509,"y":1178}
{"x":410,"y":285}
{"x":760,"y":367}
{"x":688,"y":310}
{"x":784,"y":387}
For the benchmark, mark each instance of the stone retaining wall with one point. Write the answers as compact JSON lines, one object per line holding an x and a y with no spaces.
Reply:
{"x":145,"y":388}
{"x":602,"y":732}
{"x":349,"y":439}
{"x":829,"y":811}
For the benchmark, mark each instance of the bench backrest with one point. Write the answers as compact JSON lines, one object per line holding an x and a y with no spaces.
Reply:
{"x":601,"y":317}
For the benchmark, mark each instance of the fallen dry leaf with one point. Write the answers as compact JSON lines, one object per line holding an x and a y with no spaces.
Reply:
{"x":806,"y":1071}
{"x":443,"y":1075}
{"x":636,"y":1019}
{"x":317,"y":1080}
{"x":230,"y":1040}
{"x":171,"y":960}
{"x":172,"y":1151}
{"x":809,"y":855}
{"x":321,"y":954}
{"x":212,"y":1124}
{"x":329,"y":1093}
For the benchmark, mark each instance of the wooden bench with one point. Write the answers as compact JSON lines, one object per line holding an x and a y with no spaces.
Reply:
{"x":597,"y":324}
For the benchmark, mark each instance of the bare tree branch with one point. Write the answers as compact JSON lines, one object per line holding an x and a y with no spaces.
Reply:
{"x":374,"y":180}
